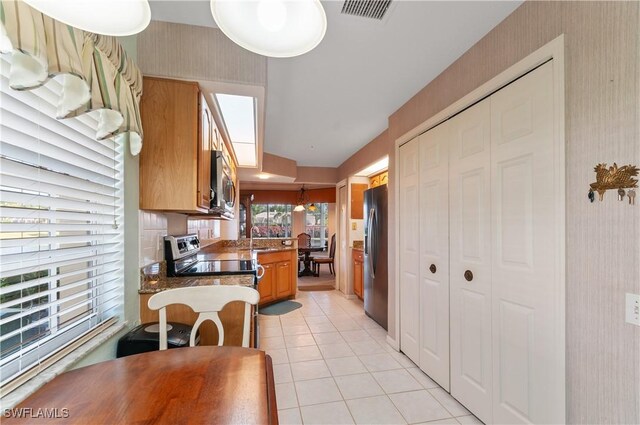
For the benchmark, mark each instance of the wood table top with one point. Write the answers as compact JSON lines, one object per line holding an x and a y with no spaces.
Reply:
{"x":204,"y":385}
{"x":310,"y":248}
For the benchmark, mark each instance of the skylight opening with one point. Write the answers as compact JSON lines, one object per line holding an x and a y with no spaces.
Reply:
{"x":239,"y":115}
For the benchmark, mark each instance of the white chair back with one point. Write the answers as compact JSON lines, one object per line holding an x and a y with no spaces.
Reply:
{"x":207,"y":301}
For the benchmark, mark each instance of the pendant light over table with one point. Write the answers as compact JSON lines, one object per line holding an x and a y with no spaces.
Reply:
{"x":303,"y":198}
{"x":107,"y":17}
{"x":275,"y":28}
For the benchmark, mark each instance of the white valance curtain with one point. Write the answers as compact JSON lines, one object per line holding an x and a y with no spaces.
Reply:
{"x":94,"y":70}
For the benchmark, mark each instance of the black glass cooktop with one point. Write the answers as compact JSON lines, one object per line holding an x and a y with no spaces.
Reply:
{"x":212,"y":268}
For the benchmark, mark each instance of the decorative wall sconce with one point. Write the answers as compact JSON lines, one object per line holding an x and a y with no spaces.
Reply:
{"x":616,"y":178}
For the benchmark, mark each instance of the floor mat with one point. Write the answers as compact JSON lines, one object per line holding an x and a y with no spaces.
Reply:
{"x":316,"y":288}
{"x":283,"y":307}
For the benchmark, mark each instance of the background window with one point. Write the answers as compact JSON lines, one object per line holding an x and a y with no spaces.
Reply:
{"x":317,"y":224}
{"x":271,"y":220}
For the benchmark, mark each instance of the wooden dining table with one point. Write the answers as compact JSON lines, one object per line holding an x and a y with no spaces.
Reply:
{"x":193,"y":385}
{"x":307,"y":250}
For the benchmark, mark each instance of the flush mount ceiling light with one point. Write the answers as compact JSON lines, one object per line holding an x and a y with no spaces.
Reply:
{"x":275,"y":28}
{"x":108,"y":17}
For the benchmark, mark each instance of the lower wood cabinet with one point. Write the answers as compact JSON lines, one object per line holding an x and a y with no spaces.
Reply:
{"x":266,"y":286}
{"x":280,"y":278}
{"x":283,"y":279}
{"x":358,"y":273}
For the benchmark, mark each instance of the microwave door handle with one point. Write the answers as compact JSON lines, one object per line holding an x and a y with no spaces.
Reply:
{"x":233,"y":194}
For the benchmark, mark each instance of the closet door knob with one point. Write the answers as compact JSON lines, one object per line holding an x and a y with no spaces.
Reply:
{"x":432,"y":268}
{"x":468,"y":275}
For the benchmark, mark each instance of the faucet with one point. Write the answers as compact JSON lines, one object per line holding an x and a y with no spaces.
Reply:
{"x":251,"y":239}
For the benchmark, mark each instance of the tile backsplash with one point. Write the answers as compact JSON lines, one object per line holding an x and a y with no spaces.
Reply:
{"x":207,"y":230}
{"x":153,"y":229}
{"x":154,"y":226}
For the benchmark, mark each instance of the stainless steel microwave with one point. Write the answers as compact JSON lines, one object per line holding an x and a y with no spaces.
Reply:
{"x":223,"y":189}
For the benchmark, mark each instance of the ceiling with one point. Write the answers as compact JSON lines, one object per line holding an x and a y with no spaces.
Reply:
{"x":325,"y":105}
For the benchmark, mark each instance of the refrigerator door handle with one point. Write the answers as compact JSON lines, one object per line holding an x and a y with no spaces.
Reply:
{"x":367,"y":236}
{"x":372,"y":252}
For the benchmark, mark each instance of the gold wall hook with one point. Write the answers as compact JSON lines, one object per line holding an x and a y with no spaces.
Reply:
{"x":614,"y":177}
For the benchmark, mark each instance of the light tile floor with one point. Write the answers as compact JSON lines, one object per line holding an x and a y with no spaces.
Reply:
{"x":332,"y":365}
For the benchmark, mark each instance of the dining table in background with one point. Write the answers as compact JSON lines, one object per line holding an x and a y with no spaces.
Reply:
{"x":192,"y":385}
{"x":307,"y":250}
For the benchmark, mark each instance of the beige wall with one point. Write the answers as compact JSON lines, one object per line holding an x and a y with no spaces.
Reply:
{"x":317,"y":175}
{"x":280,"y":166}
{"x":375,"y":150}
{"x":602,"y":125}
{"x":197,"y":53}
{"x":332,"y":220}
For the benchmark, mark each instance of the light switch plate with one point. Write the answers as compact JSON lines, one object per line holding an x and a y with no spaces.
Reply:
{"x":632,"y":309}
{"x":354,"y":226}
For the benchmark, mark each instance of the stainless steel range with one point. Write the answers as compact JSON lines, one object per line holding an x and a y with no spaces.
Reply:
{"x":184,"y":260}
{"x":181,"y":253}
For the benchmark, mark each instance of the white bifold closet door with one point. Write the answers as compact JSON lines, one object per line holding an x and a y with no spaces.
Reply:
{"x":527,"y":292}
{"x":470,"y":245}
{"x":434,"y":254}
{"x":481,"y":200}
{"x":409,"y":250}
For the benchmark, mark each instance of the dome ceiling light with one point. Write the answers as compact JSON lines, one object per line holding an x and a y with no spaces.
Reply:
{"x":275,"y":28}
{"x":108,"y":17}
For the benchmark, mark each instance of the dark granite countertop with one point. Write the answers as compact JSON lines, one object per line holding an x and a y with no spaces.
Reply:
{"x":153,"y":278}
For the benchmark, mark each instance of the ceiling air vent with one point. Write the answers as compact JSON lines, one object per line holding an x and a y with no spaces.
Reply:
{"x":374,"y":9}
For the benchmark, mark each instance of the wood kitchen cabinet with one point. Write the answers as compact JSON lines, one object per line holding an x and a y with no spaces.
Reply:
{"x":358,"y":273}
{"x":280,"y":276}
{"x":205,"y":144}
{"x":379,"y":179}
{"x":266,"y":286}
{"x":283,"y":279}
{"x":357,"y":200}
{"x":179,"y":134}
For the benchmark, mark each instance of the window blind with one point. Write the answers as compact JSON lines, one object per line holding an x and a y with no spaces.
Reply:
{"x":61,"y":227}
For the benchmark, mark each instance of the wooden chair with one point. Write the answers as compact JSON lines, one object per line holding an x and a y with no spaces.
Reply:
{"x":327,"y":260}
{"x":207,"y":301}
{"x":304,"y":240}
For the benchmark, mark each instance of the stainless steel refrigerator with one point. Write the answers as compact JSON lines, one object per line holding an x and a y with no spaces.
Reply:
{"x":375,"y":254}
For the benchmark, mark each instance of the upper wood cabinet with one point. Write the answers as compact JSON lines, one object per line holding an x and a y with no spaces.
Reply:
{"x":179,"y":132}
{"x":379,"y":179}
{"x":357,"y":200}
{"x":205,"y":145}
